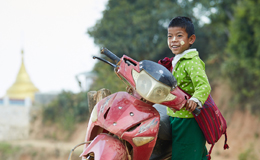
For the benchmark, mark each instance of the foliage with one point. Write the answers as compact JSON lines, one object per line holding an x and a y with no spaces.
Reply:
{"x":216,"y":35}
{"x":35,"y":152}
{"x":242,"y":62}
{"x":248,"y":154}
{"x":107,"y":79}
{"x":67,"y":109}
{"x":6,"y":150}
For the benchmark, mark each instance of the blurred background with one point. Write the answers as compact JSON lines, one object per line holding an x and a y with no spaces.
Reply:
{"x":46,"y":66}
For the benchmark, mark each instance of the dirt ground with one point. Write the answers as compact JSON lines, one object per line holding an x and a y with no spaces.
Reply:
{"x":243,"y":136}
{"x":243,"y":130}
{"x":39,"y":148}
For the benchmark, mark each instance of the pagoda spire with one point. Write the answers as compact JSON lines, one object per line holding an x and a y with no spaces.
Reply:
{"x":23,"y":86}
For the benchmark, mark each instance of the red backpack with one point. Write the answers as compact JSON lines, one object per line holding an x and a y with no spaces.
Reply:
{"x":212,"y":123}
{"x":210,"y":120}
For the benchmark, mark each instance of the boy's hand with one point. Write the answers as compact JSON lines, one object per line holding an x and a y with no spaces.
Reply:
{"x":191,"y":105}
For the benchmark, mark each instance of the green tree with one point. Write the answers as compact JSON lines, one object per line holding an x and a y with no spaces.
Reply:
{"x":216,"y":34}
{"x":242,"y":64}
{"x":67,"y":109}
{"x":139,"y":28}
{"x":107,"y":79}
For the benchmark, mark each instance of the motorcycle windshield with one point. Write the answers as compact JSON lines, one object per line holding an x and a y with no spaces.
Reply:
{"x":158,"y":72}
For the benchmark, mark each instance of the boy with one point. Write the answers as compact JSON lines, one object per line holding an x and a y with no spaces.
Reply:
{"x":188,"y":141}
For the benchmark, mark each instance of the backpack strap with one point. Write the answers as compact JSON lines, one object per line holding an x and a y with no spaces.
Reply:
{"x":226,"y":145}
{"x":209,"y":157}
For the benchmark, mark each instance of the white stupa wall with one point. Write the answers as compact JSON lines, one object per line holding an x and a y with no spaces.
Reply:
{"x":14,"y":120}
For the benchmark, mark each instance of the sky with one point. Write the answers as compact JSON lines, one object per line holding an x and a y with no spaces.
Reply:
{"x":52,"y":34}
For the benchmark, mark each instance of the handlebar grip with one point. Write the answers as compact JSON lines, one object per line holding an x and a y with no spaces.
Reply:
{"x":110,"y":55}
{"x":196,"y":111}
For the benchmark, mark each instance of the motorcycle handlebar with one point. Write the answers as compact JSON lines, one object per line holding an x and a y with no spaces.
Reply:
{"x":110,"y":55}
{"x":196,"y":111}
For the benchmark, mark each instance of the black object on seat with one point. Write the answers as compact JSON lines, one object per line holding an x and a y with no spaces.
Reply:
{"x":163,"y":146}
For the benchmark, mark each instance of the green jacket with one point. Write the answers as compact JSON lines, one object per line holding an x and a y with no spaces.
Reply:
{"x":191,"y":77}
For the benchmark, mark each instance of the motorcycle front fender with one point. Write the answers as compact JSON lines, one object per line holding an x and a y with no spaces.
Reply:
{"x":106,"y":147}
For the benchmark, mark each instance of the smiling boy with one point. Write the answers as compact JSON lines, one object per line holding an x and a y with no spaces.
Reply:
{"x":188,"y":141}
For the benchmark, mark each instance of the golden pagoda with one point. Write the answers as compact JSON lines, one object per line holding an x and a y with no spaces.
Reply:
{"x":23,"y":86}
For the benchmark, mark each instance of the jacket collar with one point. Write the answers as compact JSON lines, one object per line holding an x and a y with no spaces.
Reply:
{"x":187,"y":54}
{"x":190,"y":53}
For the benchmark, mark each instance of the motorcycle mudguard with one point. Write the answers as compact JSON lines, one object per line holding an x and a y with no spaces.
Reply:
{"x":106,"y":147}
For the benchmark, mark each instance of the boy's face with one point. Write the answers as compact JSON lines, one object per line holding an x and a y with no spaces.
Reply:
{"x":178,"y":40}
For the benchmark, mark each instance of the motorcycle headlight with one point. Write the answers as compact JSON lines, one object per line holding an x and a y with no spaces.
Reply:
{"x":151,"y":89}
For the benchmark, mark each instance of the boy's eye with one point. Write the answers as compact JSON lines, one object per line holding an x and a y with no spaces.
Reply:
{"x":179,"y":35}
{"x":169,"y":36}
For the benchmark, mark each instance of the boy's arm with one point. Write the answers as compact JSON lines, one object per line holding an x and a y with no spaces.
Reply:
{"x":196,"y":71}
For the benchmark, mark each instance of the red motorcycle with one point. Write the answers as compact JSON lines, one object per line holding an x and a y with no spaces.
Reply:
{"x":127,"y":125}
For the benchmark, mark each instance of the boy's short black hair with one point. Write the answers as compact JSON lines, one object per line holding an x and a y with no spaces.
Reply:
{"x":183,"y":22}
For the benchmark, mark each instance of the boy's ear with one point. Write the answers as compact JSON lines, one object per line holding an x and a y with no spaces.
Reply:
{"x":192,"y":39}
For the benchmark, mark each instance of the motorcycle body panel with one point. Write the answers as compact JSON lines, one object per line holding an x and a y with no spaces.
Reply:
{"x":106,"y":147}
{"x":179,"y":101}
{"x":125,"y":70}
{"x":126,"y":117}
